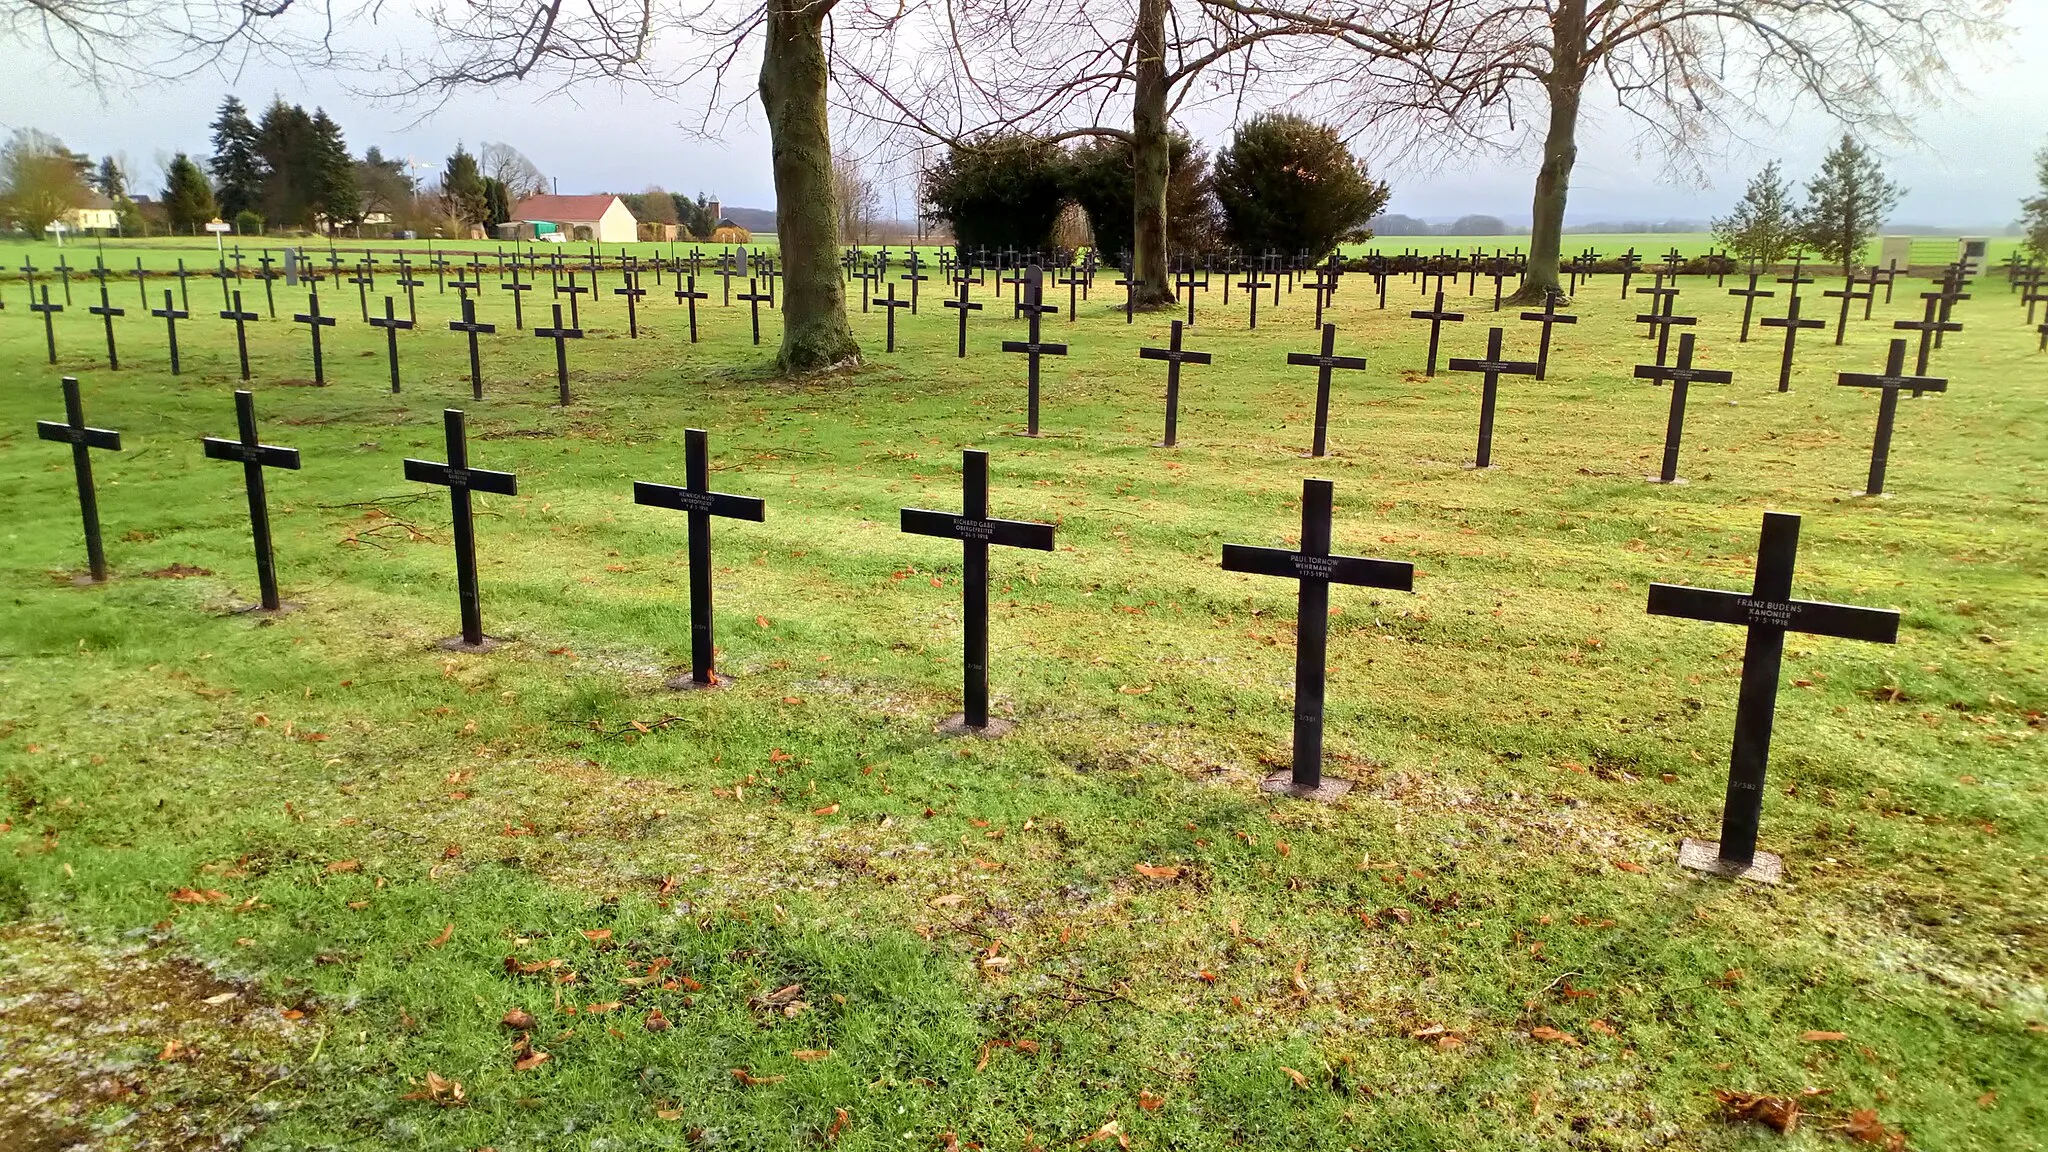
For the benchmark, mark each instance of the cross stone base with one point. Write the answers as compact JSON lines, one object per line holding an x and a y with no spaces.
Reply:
{"x":1328,"y":792}
{"x":458,"y":644}
{"x":1476,"y":466}
{"x":956,"y":725}
{"x":683,"y":682}
{"x":1676,"y":480}
{"x":85,"y":580}
{"x":1860,"y":494}
{"x":1705,"y":856}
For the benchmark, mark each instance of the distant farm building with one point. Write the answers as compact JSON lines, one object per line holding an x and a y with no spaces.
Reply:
{"x":604,"y":219}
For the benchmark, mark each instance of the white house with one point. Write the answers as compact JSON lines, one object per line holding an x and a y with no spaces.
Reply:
{"x":605,"y":219}
{"x":96,"y":214}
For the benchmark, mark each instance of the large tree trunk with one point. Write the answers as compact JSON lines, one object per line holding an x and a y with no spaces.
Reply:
{"x":815,"y":334}
{"x":1563,"y":85}
{"x":1150,"y":159}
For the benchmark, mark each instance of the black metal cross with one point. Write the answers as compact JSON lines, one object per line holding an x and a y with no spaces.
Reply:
{"x":1681,"y":377}
{"x":364,"y":280}
{"x":1847,"y":294}
{"x":241,"y":317}
{"x":409,"y":282}
{"x":561,"y":335}
{"x":1033,"y":348}
{"x":313,"y":321}
{"x":1131,"y":283}
{"x":1749,"y":298}
{"x":1768,"y":612}
{"x":106,"y":311}
{"x":575,"y":292}
{"x":518,"y":291}
{"x":976,"y":531}
{"x":460,"y":480}
{"x":1549,"y":316}
{"x":269,"y":279}
{"x":686,"y":293}
{"x":915,"y":276}
{"x":49,"y":312}
{"x":1889,"y":381}
{"x":255,"y":456}
{"x":1251,"y":284}
{"x":1795,"y":279}
{"x":1436,"y":317}
{"x":1494,"y":367}
{"x":963,"y":305}
{"x":1661,"y":319}
{"x":391,"y":326}
{"x":697,"y":499}
{"x":469,"y":324}
{"x":141,"y":281}
{"x":632,"y":291}
{"x":1174,"y":357}
{"x":1791,"y":323}
{"x":754,"y":297}
{"x":171,"y":315}
{"x":1316,"y":569}
{"x":890,"y":304}
{"x":83,"y":440}
{"x":1930,"y":326}
{"x":1323,"y":362}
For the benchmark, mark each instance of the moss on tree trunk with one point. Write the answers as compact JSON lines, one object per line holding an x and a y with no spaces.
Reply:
{"x":815,"y":334}
{"x":1151,"y":159}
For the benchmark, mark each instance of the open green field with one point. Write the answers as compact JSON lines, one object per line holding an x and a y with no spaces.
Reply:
{"x":279,"y":881}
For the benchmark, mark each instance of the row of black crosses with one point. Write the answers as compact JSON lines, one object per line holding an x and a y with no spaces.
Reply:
{"x":1768,"y":610}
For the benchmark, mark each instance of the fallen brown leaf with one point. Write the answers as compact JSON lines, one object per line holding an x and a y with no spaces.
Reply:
{"x":1157,"y":871}
{"x":519,"y":1020}
{"x":1775,"y":1112}
{"x":1300,"y":1081}
{"x":748,"y":1079}
{"x":1818,"y":1037}
{"x":1150,"y":1101}
{"x":1552,"y":1036}
{"x":533,"y":1059}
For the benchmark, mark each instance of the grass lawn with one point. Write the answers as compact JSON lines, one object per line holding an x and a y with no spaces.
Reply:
{"x":282,"y":880}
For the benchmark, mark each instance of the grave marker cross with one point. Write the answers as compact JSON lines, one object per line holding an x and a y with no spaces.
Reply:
{"x":1436,"y":317}
{"x":697,"y":499}
{"x":963,"y":305}
{"x":1324,"y":362}
{"x":469,"y":324}
{"x":976,"y":531}
{"x":1316,"y":570}
{"x":1174,"y":357}
{"x":1847,"y":294}
{"x":1889,"y":382}
{"x":1749,"y":298}
{"x":1661,"y":319}
{"x":632,"y":291}
{"x":1034,"y":347}
{"x":1681,"y":377}
{"x":1768,"y":612}
{"x":1251,"y":284}
{"x":561,"y":336}
{"x":106,"y":311}
{"x":83,"y":440}
{"x":1795,"y":279}
{"x":890,"y":304}
{"x":255,"y":456}
{"x":460,"y":480}
{"x":518,"y":291}
{"x":1930,"y":326}
{"x":1548,"y":317}
{"x":575,"y":292}
{"x":754,"y":297}
{"x":171,"y":317}
{"x":1494,"y":368}
{"x":49,"y":312}
{"x":241,"y":317}
{"x":686,"y":293}
{"x":1791,"y":323}
{"x":391,"y":326}
{"x":313,"y":321}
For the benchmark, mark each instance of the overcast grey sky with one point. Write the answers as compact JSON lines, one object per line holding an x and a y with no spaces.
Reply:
{"x":1974,"y":164}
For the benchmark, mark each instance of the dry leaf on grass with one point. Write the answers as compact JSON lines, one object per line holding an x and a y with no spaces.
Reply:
{"x":1150,"y":1101}
{"x":1109,"y":1131}
{"x":1157,"y":871}
{"x":439,"y":1090}
{"x":197,"y":896}
{"x":340,"y":866}
{"x":1779,"y":1113}
{"x":655,"y":1022}
{"x":446,"y":935}
{"x":748,"y":1079}
{"x":533,"y":1059}
{"x":1818,"y":1037}
{"x":808,"y":1054}
{"x":1300,"y":1081}
{"x":519,"y":1020}
{"x":838,"y":1125}
{"x":1553,"y":1036}
{"x":1864,"y":1127}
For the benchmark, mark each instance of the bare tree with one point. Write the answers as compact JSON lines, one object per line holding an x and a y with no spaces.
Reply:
{"x":1687,"y":74}
{"x":859,"y":200}
{"x":509,"y":166}
{"x":1063,"y":69}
